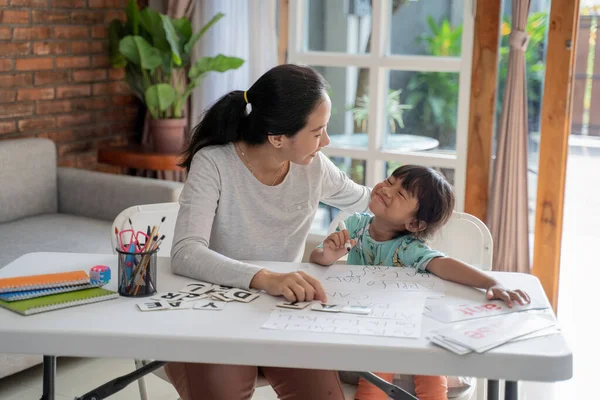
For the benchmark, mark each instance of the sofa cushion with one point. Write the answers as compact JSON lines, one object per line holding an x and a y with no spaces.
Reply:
{"x":27,"y":178}
{"x":53,"y":233}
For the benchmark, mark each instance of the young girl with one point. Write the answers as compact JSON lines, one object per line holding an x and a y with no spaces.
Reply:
{"x":408,"y":207}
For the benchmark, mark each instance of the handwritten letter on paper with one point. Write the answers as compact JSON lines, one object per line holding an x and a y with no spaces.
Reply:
{"x":344,"y":323}
{"x":359,"y":277}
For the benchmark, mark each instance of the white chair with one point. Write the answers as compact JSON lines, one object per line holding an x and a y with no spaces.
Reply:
{"x":464,"y":237}
{"x":148,"y":215}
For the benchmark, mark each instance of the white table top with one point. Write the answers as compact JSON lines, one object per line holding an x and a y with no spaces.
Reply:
{"x":116,"y":328}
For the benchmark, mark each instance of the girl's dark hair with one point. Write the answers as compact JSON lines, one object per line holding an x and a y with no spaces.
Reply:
{"x":434,"y":193}
{"x":281,"y":100}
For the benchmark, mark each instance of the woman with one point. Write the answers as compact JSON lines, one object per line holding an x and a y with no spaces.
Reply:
{"x":256,"y":177}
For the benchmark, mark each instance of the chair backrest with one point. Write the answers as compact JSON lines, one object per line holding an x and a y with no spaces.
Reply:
{"x":148,"y":214}
{"x":464,"y":237}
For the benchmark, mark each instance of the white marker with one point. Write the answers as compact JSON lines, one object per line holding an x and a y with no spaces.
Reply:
{"x":342,"y":227}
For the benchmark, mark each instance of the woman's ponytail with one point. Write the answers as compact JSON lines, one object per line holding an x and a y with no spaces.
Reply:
{"x":222,"y":123}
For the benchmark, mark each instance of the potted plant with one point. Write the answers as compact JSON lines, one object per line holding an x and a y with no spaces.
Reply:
{"x":155,"y":51}
{"x":434,"y":95}
{"x":394,"y":108}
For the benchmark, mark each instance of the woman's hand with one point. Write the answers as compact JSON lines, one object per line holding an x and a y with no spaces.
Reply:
{"x":294,"y":286}
{"x":498,"y":291}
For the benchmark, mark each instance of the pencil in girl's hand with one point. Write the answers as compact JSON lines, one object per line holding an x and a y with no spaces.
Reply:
{"x":348,"y":244}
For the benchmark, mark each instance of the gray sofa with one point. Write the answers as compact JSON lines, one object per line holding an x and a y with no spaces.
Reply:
{"x":45,"y":208}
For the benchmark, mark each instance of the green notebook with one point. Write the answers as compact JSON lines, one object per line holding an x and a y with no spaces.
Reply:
{"x":58,"y":301}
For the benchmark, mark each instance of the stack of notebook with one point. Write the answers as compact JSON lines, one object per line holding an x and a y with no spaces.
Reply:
{"x":34,"y":294}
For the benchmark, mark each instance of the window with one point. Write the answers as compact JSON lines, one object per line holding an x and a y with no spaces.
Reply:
{"x":399,"y":72}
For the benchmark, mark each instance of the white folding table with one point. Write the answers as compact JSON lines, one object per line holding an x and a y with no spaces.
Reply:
{"x":116,"y":328}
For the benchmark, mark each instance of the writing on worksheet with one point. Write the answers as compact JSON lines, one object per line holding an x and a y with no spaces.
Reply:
{"x":382,"y":278}
{"x":290,"y":321}
{"x":383,"y":306}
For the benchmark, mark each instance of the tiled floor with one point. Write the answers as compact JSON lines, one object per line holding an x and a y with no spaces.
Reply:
{"x":76,"y":377}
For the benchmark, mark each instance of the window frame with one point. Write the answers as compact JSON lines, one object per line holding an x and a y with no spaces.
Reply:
{"x":379,"y":63}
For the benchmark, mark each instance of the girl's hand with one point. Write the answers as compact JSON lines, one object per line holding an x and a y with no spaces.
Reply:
{"x":334,"y":246}
{"x":500,"y":292}
{"x":294,"y":286}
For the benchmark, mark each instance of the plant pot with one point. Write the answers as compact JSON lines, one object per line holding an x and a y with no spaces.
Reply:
{"x":168,"y":135}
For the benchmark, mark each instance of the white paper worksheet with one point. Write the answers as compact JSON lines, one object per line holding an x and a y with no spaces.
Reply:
{"x":395,"y":295}
{"x":394,"y":320}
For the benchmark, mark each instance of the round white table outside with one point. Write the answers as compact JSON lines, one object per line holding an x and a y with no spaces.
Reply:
{"x":402,"y":142}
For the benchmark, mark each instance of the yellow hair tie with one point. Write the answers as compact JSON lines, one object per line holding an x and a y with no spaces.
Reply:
{"x":248,"y":105}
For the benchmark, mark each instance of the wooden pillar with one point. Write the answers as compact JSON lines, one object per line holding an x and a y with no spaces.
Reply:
{"x":283,"y":31}
{"x":554,"y":139}
{"x":484,"y":72}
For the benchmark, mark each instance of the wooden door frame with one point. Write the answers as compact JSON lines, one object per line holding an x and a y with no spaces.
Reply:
{"x":484,"y":79}
{"x":554,"y":142}
{"x":283,"y":30}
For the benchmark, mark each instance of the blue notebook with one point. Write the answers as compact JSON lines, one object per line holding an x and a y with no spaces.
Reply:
{"x":30,"y":294}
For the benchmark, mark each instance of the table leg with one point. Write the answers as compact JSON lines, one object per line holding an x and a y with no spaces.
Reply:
{"x":141,"y":381}
{"x":49,"y":377}
{"x":493,"y":389}
{"x":511,"y":390}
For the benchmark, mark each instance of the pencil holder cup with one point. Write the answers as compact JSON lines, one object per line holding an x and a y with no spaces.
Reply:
{"x":137,"y":273}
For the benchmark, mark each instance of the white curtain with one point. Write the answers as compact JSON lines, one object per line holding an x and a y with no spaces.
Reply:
{"x":248,"y":31}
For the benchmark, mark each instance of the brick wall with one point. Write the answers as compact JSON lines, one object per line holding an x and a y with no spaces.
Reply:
{"x":55,"y":79}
